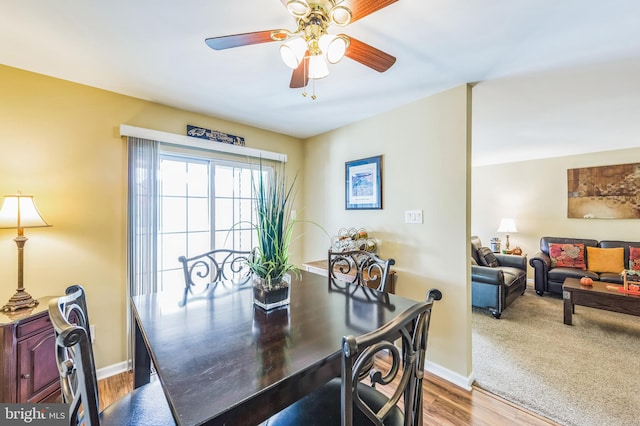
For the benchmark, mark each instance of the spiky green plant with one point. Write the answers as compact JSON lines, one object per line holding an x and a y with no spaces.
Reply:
{"x":274,"y":225}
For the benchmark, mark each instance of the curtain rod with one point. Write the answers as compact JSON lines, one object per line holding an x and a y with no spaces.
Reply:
{"x":181,"y":140}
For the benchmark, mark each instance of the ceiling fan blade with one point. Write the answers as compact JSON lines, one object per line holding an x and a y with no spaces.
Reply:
{"x":236,"y":40}
{"x":300,"y":76}
{"x":368,"y":55}
{"x":361,"y":8}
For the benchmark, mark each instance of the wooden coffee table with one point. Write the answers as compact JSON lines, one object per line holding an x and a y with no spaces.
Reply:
{"x":596,"y":296}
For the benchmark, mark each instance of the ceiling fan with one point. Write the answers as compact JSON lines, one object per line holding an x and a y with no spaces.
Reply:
{"x":308,"y":49}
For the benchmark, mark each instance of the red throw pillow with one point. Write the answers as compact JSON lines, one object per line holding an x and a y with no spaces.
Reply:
{"x":567,"y":255}
{"x":634,"y":258}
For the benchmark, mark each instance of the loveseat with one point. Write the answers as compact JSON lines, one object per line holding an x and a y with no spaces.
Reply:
{"x":496,"y":279}
{"x":560,"y":258}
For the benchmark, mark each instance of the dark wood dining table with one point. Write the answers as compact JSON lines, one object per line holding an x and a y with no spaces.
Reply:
{"x":222,"y":360}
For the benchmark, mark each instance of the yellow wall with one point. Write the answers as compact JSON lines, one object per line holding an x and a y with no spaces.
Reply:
{"x":534,"y":193}
{"x":59,"y":141}
{"x":425,"y":149}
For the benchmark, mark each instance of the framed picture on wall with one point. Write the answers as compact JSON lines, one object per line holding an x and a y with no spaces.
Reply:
{"x":604,"y":192}
{"x":363,"y":183}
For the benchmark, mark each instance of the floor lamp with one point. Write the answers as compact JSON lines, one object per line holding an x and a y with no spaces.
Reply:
{"x":19,"y":212}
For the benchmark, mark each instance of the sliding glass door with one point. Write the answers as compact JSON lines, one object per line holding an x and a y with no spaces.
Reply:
{"x":204,"y":204}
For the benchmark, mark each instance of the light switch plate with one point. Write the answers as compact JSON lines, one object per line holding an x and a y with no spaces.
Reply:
{"x":413,"y":216}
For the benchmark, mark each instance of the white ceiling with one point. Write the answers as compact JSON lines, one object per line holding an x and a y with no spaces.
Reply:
{"x":556,"y":77}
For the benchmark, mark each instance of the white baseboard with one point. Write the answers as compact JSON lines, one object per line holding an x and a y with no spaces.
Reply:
{"x":450,"y":376}
{"x":112,"y":370}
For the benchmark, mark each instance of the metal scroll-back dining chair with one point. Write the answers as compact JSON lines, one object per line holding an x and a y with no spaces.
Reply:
{"x":359,"y":266}
{"x":146,"y":405}
{"x":207,"y":269}
{"x":349,"y":401}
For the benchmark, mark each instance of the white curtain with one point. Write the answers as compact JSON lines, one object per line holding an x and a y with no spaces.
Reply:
{"x":142,"y":222}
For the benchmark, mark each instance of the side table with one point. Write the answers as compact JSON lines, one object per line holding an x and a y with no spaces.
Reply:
{"x":28,"y":370}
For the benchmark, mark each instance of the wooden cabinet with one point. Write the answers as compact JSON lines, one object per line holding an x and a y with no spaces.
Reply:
{"x":28,"y":366}
{"x":320,"y":267}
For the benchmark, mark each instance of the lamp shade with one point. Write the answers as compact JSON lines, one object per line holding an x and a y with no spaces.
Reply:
{"x":340,"y":15}
{"x":507,"y":225}
{"x":318,"y":67}
{"x":333,"y":47}
{"x":292,"y":52}
{"x":298,"y":8}
{"x":19,"y":211}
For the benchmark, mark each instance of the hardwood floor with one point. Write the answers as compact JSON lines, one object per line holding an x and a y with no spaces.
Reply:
{"x":447,"y":404}
{"x":114,"y":387}
{"x":444,"y":403}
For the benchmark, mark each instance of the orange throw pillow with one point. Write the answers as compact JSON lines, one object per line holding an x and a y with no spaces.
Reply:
{"x":605,"y":259}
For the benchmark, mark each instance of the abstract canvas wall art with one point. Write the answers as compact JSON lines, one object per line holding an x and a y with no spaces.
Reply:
{"x":605,"y":192}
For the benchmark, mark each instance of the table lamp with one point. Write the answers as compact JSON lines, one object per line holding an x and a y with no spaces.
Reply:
{"x":507,"y":225}
{"x":19,"y":211}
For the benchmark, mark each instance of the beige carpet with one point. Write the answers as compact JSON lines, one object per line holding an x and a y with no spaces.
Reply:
{"x":584,"y":374}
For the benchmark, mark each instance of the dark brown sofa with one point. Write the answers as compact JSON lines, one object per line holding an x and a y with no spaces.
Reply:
{"x":550,"y":279}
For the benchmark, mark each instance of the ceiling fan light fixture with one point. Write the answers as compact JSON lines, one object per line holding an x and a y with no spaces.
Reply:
{"x":308,"y":50}
{"x":340,"y":15}
{"x":292,"y":52}
{"x":298,"y":8}
{"x":318,"y":67}
{"x":333,"y":47}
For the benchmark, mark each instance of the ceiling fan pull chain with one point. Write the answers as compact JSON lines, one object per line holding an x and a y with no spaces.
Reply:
{"x":313,"y":89}
{"x":306,"y":73}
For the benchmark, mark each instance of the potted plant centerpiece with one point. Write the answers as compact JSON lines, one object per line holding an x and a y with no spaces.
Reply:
{"x":274,"y":227}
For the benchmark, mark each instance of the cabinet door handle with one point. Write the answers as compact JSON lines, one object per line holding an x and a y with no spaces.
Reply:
{"x":26,"y":376}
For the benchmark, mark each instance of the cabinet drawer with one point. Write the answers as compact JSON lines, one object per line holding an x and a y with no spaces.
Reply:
{"x":33,"y":325}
